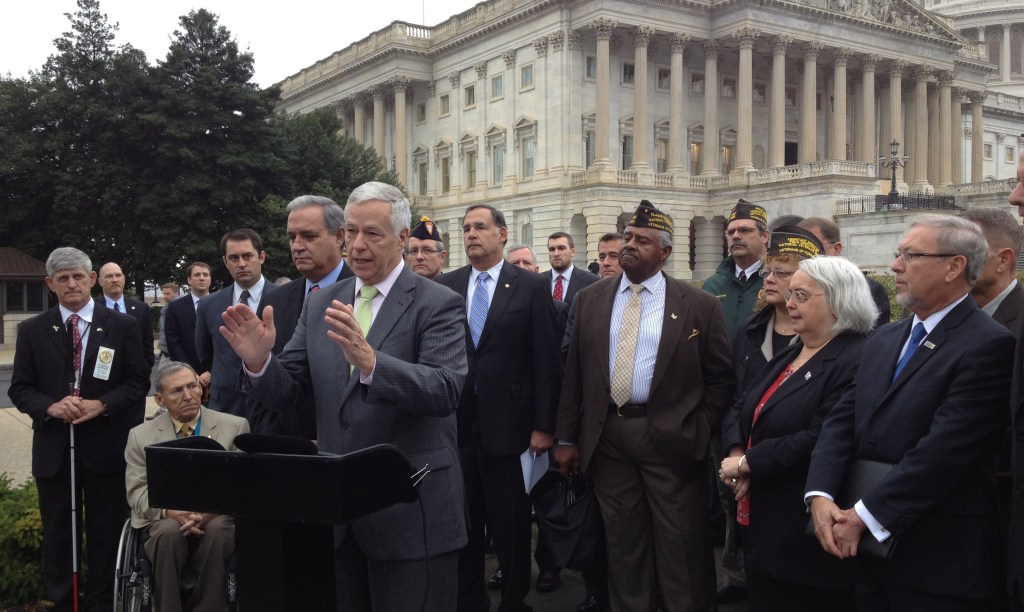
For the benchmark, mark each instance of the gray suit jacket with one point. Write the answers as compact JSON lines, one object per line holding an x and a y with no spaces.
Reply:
{"x":410,"y":403}
{"x":216,"y":425}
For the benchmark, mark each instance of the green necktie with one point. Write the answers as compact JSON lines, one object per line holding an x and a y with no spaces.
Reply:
{"x":364,"y":311}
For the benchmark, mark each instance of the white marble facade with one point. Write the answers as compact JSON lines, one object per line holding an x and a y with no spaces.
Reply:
{"x":565,"y":113}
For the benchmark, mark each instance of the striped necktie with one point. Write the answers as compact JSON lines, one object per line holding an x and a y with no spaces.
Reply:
{"x":478,"y":309}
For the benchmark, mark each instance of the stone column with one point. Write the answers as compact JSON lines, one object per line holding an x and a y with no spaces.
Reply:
{"x":910,"y":130}
{"x":921,"y":76}
{"x":777,"y":108}
{"x":945,"y":176}
{"x":707,"y":246}
{"x":603,"y":29}
{"x":378,"y":119}
{"x":676,"y":128}
{"x":934,"y":137}
{"x":1004,"y":54}
{"x":977,"y":135}
{"x":808,"y":106}
{"x":866,"y":141}
{"x":884,"y":131}
{"x":712,"y":149}
{"x":956,"y":134}
{"x":745,"y":101}
{"x":641,"y":39}
{"x":400,"y":84}
{"x":839,"y":128}
{"x":359,"y":121}
{"x":896,"y":69}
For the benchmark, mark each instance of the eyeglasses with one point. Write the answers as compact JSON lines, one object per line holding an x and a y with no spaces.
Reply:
{"x":799,"y":296}
{"x":910,"y":256}
{"x":779,"y":274}
{"x":424,"y":250}
{"x":741,"y":230}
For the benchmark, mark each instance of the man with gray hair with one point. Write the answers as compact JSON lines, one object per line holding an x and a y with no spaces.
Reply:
{"x":80,"y":375}
{"x":385,"y":357}
{"x":316,"y":237}
{"x":997,"y":291}
{"x":930,"y":400}
{"x":522,"y":256}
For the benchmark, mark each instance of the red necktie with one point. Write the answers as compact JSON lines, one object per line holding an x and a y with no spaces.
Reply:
{"x":557,"y":295}
{"x":76,"y":340}
{"x":314,"y":288}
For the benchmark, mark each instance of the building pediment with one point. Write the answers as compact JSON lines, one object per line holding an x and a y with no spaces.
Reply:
{"x":902,"y":15}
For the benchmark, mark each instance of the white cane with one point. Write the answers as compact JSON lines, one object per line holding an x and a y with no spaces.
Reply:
{"x":74,"y":523}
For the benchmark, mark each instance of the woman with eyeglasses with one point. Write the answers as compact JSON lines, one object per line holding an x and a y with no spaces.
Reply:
{"x":770,"y":432}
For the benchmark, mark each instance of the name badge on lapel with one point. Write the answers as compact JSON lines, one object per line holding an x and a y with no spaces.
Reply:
{"x":104,"y":360}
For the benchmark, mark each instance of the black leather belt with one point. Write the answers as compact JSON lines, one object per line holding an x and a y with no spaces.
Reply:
{"x":629,"y":410}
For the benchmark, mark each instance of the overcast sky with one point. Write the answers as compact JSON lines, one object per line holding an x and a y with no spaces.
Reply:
{"x":284,"y":37}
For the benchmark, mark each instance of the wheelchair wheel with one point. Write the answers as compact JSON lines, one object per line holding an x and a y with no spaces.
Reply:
{"x":132,"y":590}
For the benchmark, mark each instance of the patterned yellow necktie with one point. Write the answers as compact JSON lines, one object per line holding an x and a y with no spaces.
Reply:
{"x":625,"y":351}
{"x":185,"y":431}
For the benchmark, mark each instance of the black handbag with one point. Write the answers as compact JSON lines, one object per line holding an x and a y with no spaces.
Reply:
{"x":569,"y":520}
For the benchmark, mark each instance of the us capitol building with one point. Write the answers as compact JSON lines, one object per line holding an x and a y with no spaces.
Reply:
{"x":565,"y":113}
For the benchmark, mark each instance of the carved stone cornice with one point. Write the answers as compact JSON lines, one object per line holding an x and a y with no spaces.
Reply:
{"x":642,"y":36}
{"x":540,"y":46}
{"x":679,"y":41}
{"x":603,"y":27}
{"x":812,"y":49}
{"x":454,"y":78}
{"x":557,"y":40}
{"x":510,"y":58}
{"x":746,"y":37}
{"x":779,"y":44}
{"x":481,"y":70}
{"x":711,"y":48}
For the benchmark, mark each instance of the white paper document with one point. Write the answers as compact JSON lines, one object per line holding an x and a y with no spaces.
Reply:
{"x":534,"y":467}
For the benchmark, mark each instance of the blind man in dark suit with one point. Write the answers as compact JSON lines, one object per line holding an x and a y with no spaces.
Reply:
{"x":930,"y":398}
{"x":243,"y":254}
{"x":316,"y":237}
{"x":177,"y":538}
{"x":647,"y":380}
{"x":385,"y":357}
{"x":425,"y":253}
{"x":566,"y":279}
{"x":507,"y":405}
{"x":81,"y":364}
{"x":180,"y":323}
{"x":111,"y":279}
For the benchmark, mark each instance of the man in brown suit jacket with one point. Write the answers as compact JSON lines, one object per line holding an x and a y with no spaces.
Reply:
{"x":644,"y":439}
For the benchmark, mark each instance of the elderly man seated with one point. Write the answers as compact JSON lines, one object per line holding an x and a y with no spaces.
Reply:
{"x":176,"y":537}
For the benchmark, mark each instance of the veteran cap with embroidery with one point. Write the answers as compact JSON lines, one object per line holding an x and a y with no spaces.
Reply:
{"x":793,"y":240}
{"x":426,"y":230}
{"x":646,"y":215}
{"x":746,"y":210}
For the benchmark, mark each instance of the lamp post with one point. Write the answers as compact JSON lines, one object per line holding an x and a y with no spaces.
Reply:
{"x":894,"y":161}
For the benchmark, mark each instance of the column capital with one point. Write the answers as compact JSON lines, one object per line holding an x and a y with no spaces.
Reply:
{"x":540,"y":46}
{"x":431,"y":89}
{"x":841,"y":56}
{"x":510,"y":58}
{"x":869,"y":62}
{"x":399,"y":82}
{"x":481,"y":69}
{"x":946,"y":78}
{"x":603,"y":27}
{"x":454,"y":78}
{"x":958,"y":93}
{"x":779,"y":44}
{"x":746,"y":37}
{"x":1000,"y":138}
{"x":977,"y":96}
{"x":922,"y":73}
{"x":896,"y":67}
{"x":575,"y":40}
{"x":711,"y":49}
{"x":378,"y":91}
{"x":812,"y":49}
{"x":557,"y":40}
{"x":678,"y":42}
{"x":342,"y":107}
{"x":642,"y":36}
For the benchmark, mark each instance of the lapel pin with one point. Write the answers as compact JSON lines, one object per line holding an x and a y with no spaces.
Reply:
{"x":56,"y":328}
{"x":807,"y":376}
{"x":507,"y":285}
{"x":929,"y":345}
{"x":99,"y":329}
{"x":693,"y":334}
{"x":673,"y":315}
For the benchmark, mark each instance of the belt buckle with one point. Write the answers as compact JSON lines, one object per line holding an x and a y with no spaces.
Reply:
{"x":618,"y":410}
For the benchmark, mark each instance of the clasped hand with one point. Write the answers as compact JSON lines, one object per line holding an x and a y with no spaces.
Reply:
{"x":837,"y":530}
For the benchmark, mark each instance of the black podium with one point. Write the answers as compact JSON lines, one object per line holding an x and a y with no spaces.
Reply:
{"x":284,"y":507}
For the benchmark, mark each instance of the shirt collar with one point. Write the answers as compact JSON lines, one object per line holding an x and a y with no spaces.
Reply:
{"x":933,"y":321}
{"x":384,"y":287}
{"x":329,"y":279}
{"x":85,"y":313}
{"x":991,"y":308}
{"x":109,"y":302}
{"x":192,"y":423}
{"x":493,"y":271}
{"x":566,"y":275}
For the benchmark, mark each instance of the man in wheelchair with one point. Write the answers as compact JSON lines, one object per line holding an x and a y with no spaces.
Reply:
{"x":175,"y":539}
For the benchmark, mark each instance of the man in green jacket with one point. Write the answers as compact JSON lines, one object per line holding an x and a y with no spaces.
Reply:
{"x":737,"y":280}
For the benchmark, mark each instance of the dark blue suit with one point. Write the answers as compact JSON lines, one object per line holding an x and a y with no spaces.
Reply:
{"x":940,"y":423}
{"x":180,"y":332}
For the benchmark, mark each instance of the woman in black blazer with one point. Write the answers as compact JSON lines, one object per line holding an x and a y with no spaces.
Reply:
{"x":771,"y":430}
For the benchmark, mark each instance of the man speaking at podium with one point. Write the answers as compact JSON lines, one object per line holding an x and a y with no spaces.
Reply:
{"x":385,"y":356}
